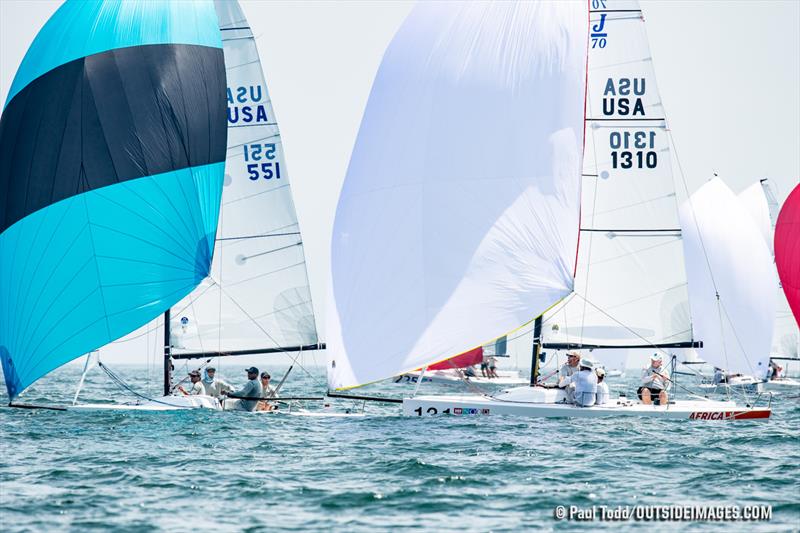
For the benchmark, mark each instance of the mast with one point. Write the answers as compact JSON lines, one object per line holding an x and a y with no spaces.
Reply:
{"x":167,"y":353}
{"x":537,"y":349}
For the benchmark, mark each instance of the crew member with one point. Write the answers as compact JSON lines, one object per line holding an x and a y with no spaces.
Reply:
{"x":602,"y":386}
{"x":654,"y":382}
{"x":585,"y":382}
{"x":566,"y":371}
{"x":266,"y":392}
{"x":212,"y":384}
{"x":197,"y":388}
{"x":247,"y":396}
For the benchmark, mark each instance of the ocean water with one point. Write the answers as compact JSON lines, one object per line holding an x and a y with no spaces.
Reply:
{"x":228,"y":471}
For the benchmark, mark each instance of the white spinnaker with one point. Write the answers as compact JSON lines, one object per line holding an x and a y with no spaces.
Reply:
{"x":458,"y":218}
{"x":727,"y":256}
{"x":258,"y":293}
{"x":630,"y":282}
{"x":760,"y":201}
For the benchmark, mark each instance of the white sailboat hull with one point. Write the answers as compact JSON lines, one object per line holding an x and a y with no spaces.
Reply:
{"x":164,"y":403}
{"x":542,"y":403}
{"x":747,"y":383}
{"x":781,"y":385}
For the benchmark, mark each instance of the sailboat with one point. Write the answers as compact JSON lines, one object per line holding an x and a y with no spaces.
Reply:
{"x":253,"y":296}
{"x":489,"y":103}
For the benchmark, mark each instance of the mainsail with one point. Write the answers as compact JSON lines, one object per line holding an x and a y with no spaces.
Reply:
{"x":731,"y":278}
{"x":112,"y":147}
{"x":257,"y":297}
{"x":474,"y":104}
{"x":630,"y":283}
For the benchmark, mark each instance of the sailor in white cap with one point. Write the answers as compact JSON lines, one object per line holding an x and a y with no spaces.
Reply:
{"x":602,"y":386}
{"x":585,"y":382}
{"x":567,"y":370}
{"x":654,"y":382}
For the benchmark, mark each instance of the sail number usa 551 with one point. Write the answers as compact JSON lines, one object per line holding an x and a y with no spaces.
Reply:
{"x":262,"y":169}
{"x":633,"y":149}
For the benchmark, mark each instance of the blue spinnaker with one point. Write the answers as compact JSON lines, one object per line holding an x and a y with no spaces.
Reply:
{"x":112,"y":149}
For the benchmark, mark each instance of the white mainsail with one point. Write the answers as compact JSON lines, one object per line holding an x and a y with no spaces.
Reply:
{"x":630,"y":284}
{"x":458,"y":218}
{"x":257,"y":296}
{"x":732,"y":280}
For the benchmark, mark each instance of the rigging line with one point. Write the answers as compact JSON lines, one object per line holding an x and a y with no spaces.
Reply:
{"x":277,"y":344}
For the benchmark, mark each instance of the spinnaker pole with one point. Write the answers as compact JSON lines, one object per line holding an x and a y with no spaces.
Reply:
{"x":167,"y":356}
{"x":536,"y":350}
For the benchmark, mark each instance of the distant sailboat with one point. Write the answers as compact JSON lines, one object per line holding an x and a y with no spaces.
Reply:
{"x":112,"y":156}
{"x":488,"y":102}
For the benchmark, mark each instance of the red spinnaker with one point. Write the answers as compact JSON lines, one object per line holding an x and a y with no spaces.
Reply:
{"x":463,"y":360}
{"x":787,"y":250}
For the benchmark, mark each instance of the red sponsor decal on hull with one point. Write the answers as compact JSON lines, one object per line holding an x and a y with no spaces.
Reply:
{"x":730,"y":415}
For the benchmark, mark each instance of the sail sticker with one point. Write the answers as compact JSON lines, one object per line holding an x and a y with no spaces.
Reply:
{"x":624,"y":97}
{"x":264,"y":166}
{"x":246,"y":106}
{"x":598,"y":36}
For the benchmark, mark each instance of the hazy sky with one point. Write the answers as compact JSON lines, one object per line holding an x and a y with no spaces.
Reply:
{"x":728,"y":72}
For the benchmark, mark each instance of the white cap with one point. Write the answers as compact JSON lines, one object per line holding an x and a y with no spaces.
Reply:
{"x":601,"y":371}
{"x":587,"y":363}
{"x":656,"y":357}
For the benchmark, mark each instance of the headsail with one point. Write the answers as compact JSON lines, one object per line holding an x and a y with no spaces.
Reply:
{"x":458,"y":218}
{"x":257,"y":296}
{"x":112,"y":146}
{"x":630,"y":282}
{"x":787,"y":250}
{"x":731,"y":279}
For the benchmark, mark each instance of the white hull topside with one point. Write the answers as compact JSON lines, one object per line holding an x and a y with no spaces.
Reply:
{"x":182,"y":403}
{"x":548,"y":403}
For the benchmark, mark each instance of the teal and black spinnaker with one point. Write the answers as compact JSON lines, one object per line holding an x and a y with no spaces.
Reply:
{"x":112,"y":156}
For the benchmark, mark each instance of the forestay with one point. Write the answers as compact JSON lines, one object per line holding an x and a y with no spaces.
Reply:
{"x":630,"y":282}
{"x":257,"y":296}
{"x":458,"y":218}
{"x":731,"y":279}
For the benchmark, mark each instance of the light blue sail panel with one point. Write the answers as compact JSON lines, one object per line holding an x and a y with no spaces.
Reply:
{"x":81,"y":28}
{"x":87,"y":270}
